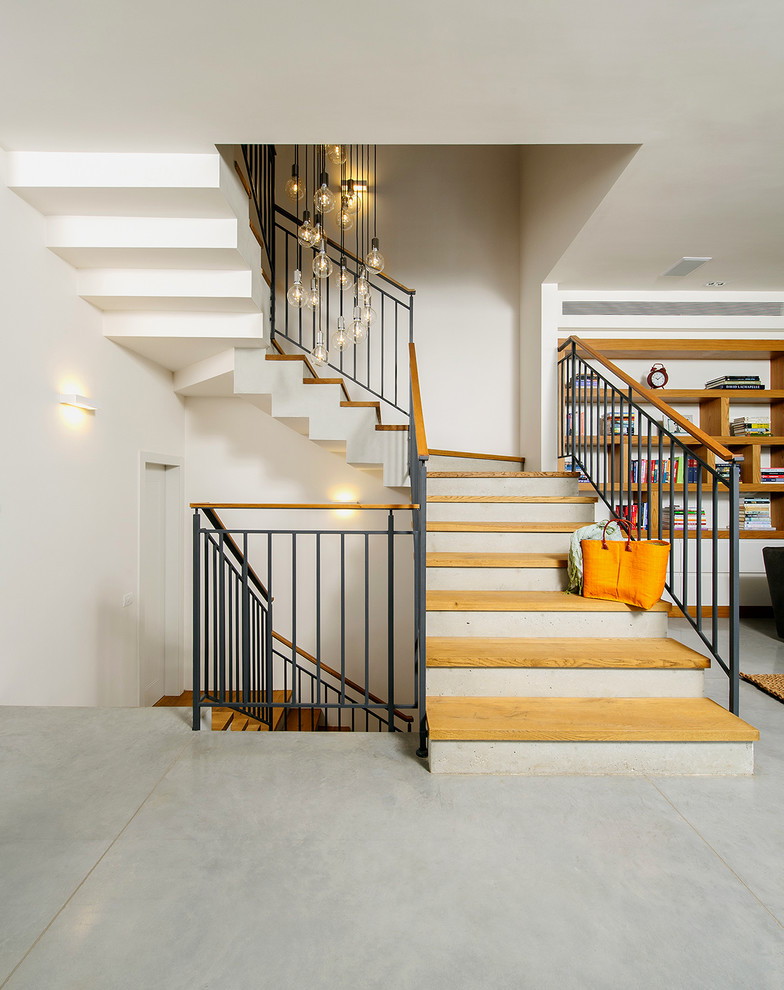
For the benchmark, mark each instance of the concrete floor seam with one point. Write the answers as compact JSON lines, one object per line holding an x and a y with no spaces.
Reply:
{"x":96,"y":864}
{"x":718,"y":856}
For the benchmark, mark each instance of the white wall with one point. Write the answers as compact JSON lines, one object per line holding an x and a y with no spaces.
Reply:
{"x":69,"y":493}
{"x":448,"y":226}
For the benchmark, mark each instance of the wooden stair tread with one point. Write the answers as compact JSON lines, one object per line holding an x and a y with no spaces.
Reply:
{"x":345,"y":404}
{"x":525,"y":601}
{"x":225,"y":718}
{"x":585,"y":720}
{"x":476,"y":526}
{"x":496,"y":559}
{"x":482,"y":457}
{"x":518,"y":499}
{"x":327,"y":381}
{"x":598,"y":652}
{"x":502,"y":474}
{"x":392,"y":427}
{"x":301,"y":720}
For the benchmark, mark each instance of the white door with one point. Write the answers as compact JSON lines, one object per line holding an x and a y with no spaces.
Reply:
{"x":152,"y":585}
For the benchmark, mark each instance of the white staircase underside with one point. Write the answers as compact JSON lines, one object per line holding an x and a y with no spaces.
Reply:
{"x":163,"y":246}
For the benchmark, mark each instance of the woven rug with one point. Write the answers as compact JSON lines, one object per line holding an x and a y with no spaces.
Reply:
{"x":772,"y":684}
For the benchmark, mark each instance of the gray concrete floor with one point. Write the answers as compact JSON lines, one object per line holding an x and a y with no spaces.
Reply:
{"x":137,"y":854}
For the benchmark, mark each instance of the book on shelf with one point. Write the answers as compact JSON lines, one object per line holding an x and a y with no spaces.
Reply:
{"x":630,"y":513}
{"x":754,"y":512}
{"x":743,"y":427}
{"x":673,"y":518}
{"x":644,"y":471}
{"x":735,"y":381}
{"x":580,"y":421}
{"x":772,"y":475}
{"x":618,"y":425}
{"x":569,"y":465}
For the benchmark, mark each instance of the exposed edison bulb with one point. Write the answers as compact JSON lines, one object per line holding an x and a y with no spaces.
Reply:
{"x":358,"y":329}
{"x":323,"y":200}
{"x":341,"y":338}
{"x":312,"y":295}
{"x":294,"y":188}
{"x":352,"y":200}
{"x":343,"y":218}
{"x":363,"y":286}
{"x":345,"y":279}
{"x":296,"y":293}
{"x":322,"y":265}
{"x":306,"y":231}
{"x":374,"y":259}
{"x":336,"y":153}
{"x":366,"y":313}
{"x":319,"y":355}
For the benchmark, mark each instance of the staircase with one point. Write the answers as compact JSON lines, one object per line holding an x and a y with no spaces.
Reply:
{"x":524,"y":678}
{"x":164,"y":247}
{"x":223,"y":719}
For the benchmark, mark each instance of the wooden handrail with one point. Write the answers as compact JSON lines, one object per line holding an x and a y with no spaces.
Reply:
{"x":349,"y":254}
{"x":650,"y":397}
{"x":416,"y":397}
{"x":215,"y":519}
{"x":334,"y":673}
{"x":211,"y":506}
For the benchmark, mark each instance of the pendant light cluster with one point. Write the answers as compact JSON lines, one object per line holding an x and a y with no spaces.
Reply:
{"x":347,"y":206}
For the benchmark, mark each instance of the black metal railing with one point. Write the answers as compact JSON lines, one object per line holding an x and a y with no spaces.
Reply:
{"x":668,"y":485}
{"x":343,"y":591}
{"x":379,"y":364}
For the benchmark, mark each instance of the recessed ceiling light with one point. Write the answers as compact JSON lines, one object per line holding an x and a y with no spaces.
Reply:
{"x":686,"y":266}
{"x":712,"y":284}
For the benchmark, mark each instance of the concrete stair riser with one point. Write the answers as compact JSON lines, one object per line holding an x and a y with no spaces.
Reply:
{"x":580,"y":513}
{"x":563,"y":683}
{"x":440,"y":462}
{"x":502,"y":486}
{"x":497,"y":578}
{"x":498,"y":542}
{"x":550,"y":758}
{"x":576,"y":624}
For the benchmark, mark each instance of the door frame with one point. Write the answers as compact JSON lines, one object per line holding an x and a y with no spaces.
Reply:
{"x":174,"y":485}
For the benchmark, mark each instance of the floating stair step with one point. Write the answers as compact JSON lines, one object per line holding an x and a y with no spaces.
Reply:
{"x":475,"y":526}
{"x":493,"y":486}
{"x":328,"y":381}
{"x":585,"y":720}
{"x":597,"y":653}
{"x":497,"y":571}
{"x":501,"y":474}
{"x":497,"y":559}
{"x":447,"y":459}
{"x":363,"y":405}
{"x":514,"y":499}
{"x":526,"y":601}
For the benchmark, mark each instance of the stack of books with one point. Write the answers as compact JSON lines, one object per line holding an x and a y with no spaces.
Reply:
{"x":618,"y":425}
{"x":569,"y":465}
{"x":584,"y":381}
{"x":755,"y":512}
{"x":672,"y":518}
{"x":735,"y":381}
{"x":743,"y":427}
{"x":772,"y":476}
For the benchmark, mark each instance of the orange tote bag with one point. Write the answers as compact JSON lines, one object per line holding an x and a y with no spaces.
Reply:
{"x":633,"y":572}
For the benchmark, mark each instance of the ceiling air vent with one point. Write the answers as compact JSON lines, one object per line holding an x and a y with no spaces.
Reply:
{"x":643,"y":308}
{"x":685,"y":266}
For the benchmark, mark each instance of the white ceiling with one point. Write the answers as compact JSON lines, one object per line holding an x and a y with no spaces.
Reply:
{"x":699,"y":84}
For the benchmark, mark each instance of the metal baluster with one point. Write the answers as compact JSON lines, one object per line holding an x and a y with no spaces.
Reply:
{"x":222,"y":617}
{"x":390,"y":618}
{"x":734,"y":630}
{"x":196,"y":623}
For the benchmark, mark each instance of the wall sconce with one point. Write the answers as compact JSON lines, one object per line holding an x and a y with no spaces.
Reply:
{"x":78,"y":401}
